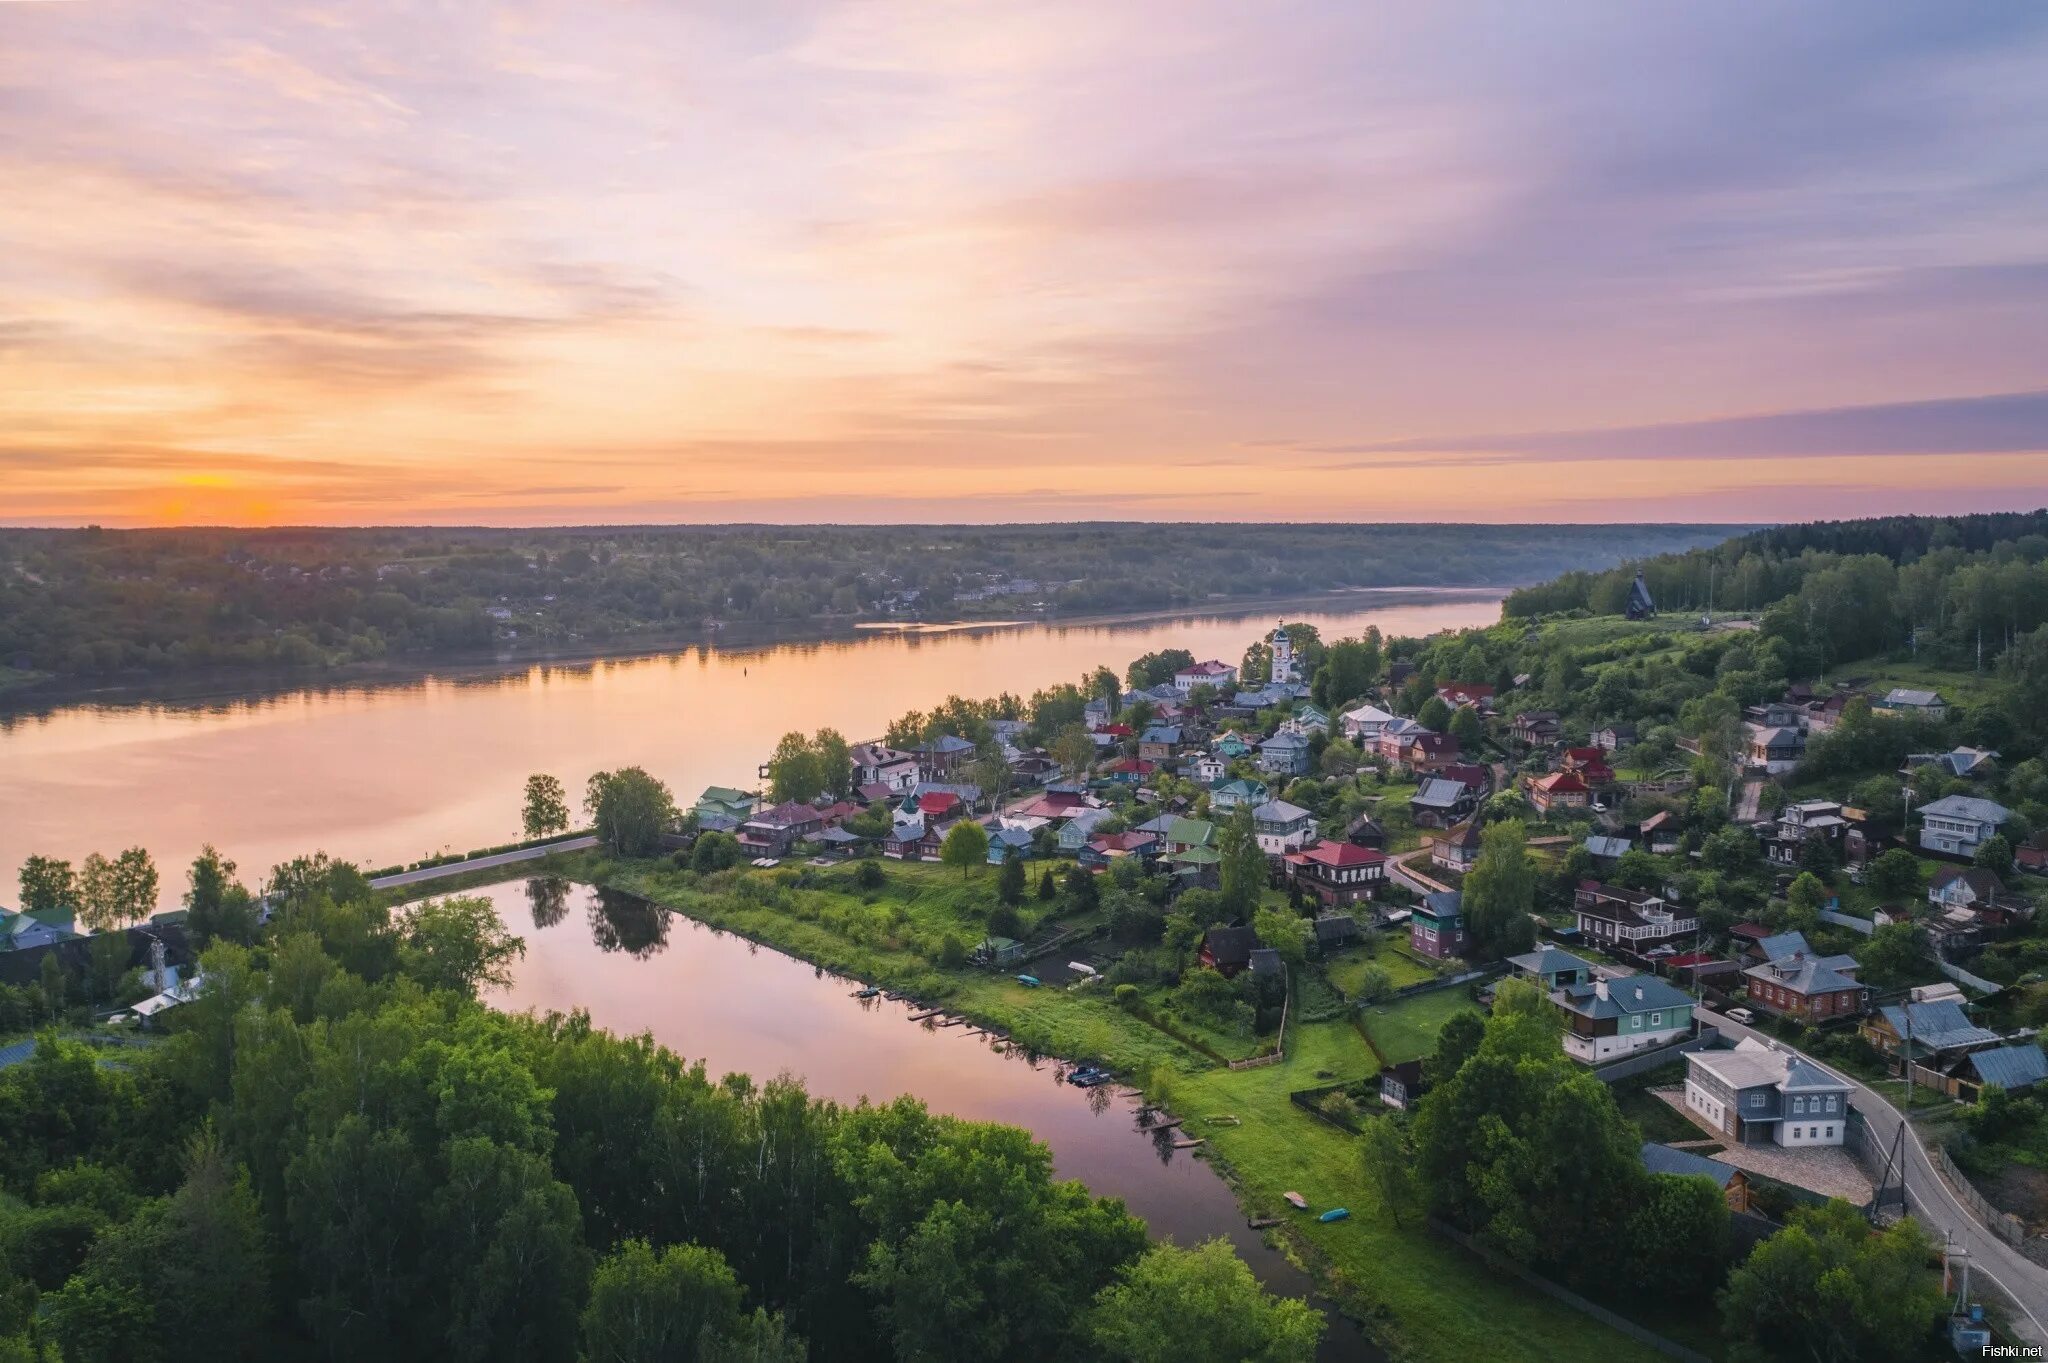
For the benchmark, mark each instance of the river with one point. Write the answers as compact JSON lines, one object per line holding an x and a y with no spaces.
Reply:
{"x":751,"y":1009}
{"x":389,"y":771}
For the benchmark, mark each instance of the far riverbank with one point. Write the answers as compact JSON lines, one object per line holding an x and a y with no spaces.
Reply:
{"x":30,"y":693}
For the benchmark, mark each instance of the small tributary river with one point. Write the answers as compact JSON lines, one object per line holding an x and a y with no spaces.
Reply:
{"x":742,"y":1007}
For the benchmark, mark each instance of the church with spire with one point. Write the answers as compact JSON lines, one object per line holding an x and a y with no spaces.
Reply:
{"x":1286,"y":667}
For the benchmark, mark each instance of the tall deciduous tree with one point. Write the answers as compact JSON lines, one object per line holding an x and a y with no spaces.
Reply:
{"x":1500,"y":892}
{"x":185,"y":1280}
{"x":1831,"y":1289}
{"x":1074,"y":750}
{"x":630,"y":810}
{"x":649,"y":1307}
{"x":48,"y":886}
{"x":1388,"y":1165}
{"x":1243,"y":868}
{"x":1199,"y":1305}
{"x":834,"y":756}
{"x":217,"y":908}
{"x":965,"y":846}
{"x":459,"y":943}
{"x":547,"y":806}
{"x":1010,"y":883}
{"x":1286,"y":931}
{"x":793,"y":769}
{"x":135,"y":885}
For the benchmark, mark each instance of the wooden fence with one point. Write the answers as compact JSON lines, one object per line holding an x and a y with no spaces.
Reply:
{"x":2004,"y":1225}
{"x":1564,"y":1295}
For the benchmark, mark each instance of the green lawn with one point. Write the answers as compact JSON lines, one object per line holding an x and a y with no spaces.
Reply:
{"x":1407,"y":1030}
{"x":1428,"y":1301}
{"x":1347,"y":971}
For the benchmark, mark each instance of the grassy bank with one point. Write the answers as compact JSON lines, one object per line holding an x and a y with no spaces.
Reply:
{"x":1423,"y":1299}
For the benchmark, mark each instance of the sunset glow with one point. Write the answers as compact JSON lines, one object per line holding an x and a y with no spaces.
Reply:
{"x":826,"y":261}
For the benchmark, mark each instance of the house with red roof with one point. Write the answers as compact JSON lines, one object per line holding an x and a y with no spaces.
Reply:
{"x":1105,"y":849}
{"x":1130,"y":771}
{"x":1559,"y":790}
{"x":1219,"y":675}
{"x":1457,"y":695}
{"x":1337,"y":873}
{"x":939,"y":804}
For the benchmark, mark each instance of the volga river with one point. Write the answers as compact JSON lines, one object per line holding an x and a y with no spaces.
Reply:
{"x":386,"y":772}
{"x":394,"y":771}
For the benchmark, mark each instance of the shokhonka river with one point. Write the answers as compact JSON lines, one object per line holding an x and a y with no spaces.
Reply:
{"x":744,"y":1008}
{"x":387,"y":772}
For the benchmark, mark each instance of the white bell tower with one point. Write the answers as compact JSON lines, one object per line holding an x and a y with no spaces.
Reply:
{"x":1285,"y":668}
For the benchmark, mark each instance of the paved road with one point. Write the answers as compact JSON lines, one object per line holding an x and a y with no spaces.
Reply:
{"x":1401,"y":873}
{"x":456,"y":868}
{"x":2018,"y":1277}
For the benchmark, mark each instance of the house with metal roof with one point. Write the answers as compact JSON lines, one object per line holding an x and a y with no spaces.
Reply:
{"x":1218,"y":675}
{"x":1284,"y":754}
{"x":1958,"y":825}
{"x":1552,"y":967}
{"x":1456,"y":849}
{"x":1606,"y":1019}
{"x":1337,"y":873}
{"x":1971,"y":764}
{"x":1666,"y":1159}
{"x":1606,"y":847}
{"x":1616,"y":916}
{"x":1363,"y":724}
{"x":1228,"y":950}
{"x":35,"y":928}
{"x":724,"y":801}
{"x":1906,"y":701}
{"x":1436,"y":927}
{"x":1228,"y":795}
{"x":2012,"y":1068}
{"x":1440,"y":802}
{"x":1160,"y":743}
{"x":1282,"y":827}
{"x":1757,"y":1094}
{"x":1933,"y":1029}
{"x":1808,"y":988}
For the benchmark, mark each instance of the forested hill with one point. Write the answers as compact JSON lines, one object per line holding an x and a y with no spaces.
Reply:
{"x":96,"y":603}
{"x":1942,"y":587}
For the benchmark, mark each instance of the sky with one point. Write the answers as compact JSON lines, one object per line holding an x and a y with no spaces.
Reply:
{"x":900,"y":260}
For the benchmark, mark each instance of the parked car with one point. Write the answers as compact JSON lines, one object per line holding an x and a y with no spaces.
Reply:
{"x":1743,"y":1016}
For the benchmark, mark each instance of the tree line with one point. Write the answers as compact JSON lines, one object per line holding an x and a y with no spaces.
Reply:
{"x":338,"y":1151}
{"x":94,"y":602}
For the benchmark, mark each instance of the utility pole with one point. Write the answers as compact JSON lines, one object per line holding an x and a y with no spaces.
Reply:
{"x":1906,"y":1050}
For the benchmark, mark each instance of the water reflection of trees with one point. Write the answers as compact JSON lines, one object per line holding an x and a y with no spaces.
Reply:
{"x":628,"y":923}
{"x":548,"y":898}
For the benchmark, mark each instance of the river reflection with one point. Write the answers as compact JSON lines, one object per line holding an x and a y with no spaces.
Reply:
{"x":744,"y":1008}
{"x":386,"y":773}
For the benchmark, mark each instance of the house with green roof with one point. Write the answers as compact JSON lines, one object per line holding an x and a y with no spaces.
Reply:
{"x":35,"y":928}
{"x":1228,"y":795}
{"x":1184,"y":833}
{"x":726,"y":802}
{"x":1234,"y":746}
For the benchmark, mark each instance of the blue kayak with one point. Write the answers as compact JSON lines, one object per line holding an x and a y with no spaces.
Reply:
{"x":1031,"y":980}
{"x":1334,"y":1214}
